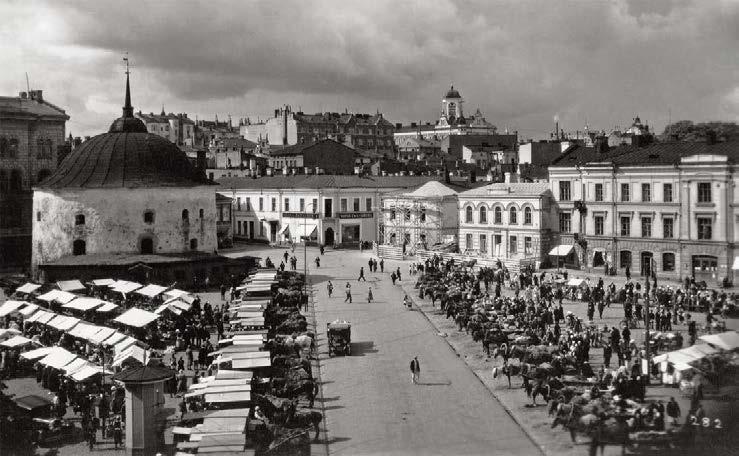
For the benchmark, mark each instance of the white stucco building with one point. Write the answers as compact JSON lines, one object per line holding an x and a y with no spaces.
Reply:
{"x":124,"y":192}
{"x":420,"y":218}
{"x":511,"y":222}
{"x":329,"y":209}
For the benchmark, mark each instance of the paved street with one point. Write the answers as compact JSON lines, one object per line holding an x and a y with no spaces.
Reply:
{"x":371,"y":405}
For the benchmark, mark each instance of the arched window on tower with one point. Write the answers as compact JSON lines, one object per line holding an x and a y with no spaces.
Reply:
{"x":527,"y":216}
{"x":149,"y":217}
{"x":513,"y":219}
{"x":16,"y":180}
{"x":147,"y":246}
{"x":483,"y":214}
{"x":498,"y":215}
{"x":79,"y":247}
{"x":468,"y":214}
{"x":193,"y":244}
{"x":185,"y":215}
{"x":79,"y":219}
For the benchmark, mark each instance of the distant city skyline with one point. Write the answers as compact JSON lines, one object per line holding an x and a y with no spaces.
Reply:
{"x":521,"y":62}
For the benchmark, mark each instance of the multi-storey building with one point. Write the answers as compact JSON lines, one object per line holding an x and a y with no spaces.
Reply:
{"x":325,"y":209}
{"x":451,"y":122}
{"x":322,"y":157}
{"x":359,"y":131}
{"x":670,"y":208}
{"x":420,"y":218}
{"x":31,"y":133}
{"x":507,"y":221}
{"x":177,"y":128}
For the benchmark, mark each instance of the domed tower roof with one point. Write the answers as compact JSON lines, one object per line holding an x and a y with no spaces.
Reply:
{"x":452,"y":93}
{"x":125,"y":157}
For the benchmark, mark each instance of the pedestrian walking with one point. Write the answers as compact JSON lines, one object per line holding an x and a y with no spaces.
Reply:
{"x":318,"y":262}
{"x":415,"y":370}
{"x":223,"y":292}
{"x":189,"y":356}
{"x":323,"y":249}
{"x":117,"y":432}
{"x":397,"y":273}
{"x":361,"y":274}
{"x":382,"y":265}
{"x":673,"y":412}
{"x":393,"y":277}
{"x":369,"y":295}
{"x":348,"y":293}
{"x":330,"y":288}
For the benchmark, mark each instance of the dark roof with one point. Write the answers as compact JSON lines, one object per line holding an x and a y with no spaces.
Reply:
{"x":669,"y":153}
{"x":543,"y":153}
{"x":32,"y":402}
{"x":163,"y":118}
{"x":144,"y":374}
{"x":236,"y":142}
{"x":23,"y":107}
{"x":324,"y":181}
{"x":124,"y":259}
{"x":223,"y":198}
{"x":322,"y":145}
{"x":452,"y":93}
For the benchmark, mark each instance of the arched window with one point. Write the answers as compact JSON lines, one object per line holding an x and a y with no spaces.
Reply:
{"x":43,"y":174}
{"x":185,"y":215}
{"x":79,"y":247}
{"x":498,"y":215}
{"x":202,"y":213}
{"x":527,"y":216}
{"x":3,"y":146}
{"x":16,"y":180}
{"x":193,"y":244}
{"x":668,"y":262}
{"x":483,"y":214}
{"x":513,"y":219}
{"x":468,"y":214}
{"x":13,"y":147}
{"x":147,"y":246}
{"x":149,"y":217}
{"x":79,"y":219}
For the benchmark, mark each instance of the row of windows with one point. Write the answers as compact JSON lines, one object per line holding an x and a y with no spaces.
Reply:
{"x":79,"y":219}
{"x":407,"y":214}
{"x":146,"y":246}
{"x":498,"y":215}
{"x":668,"y":261}
{"x":8,"y":147}
{"x":11,"y":181}
{"x":704,"y":192}
{"x":513,"y":247}
{"x":313,"y":205}
{"x":705,"y":226}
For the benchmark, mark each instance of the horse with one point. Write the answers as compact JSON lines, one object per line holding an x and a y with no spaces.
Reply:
{"x":303,"y":419}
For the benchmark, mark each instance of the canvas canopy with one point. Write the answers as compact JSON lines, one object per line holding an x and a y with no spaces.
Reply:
{"x":28,"y":288}
{"x":107,"y":307}
{"x":213,"y":389}
{"x":561,"y":250}
{"x":151,"y":290}
{"x":728,"y":340}
{"x":60,"y":296}
{"x":88,"y":371}
{"x":83,"y":330}
{"x":9,"y":307}
{"x":133,"y":352}
{"x":64,"y":323}
{"x":75,"y":365}
{"x":251,"y":363}
{"x":258,"y":288}
{"x":123,"y":345}
{"x":114,"y":339}
{"x":211,"y":381}
{"x":45,"y":317}
{"x":58,"y":358}
{"x":35,"y":316}
{"x":176,"y":293}
{"x":16,"y":341}
{"x":168,"y":308}
{"x":103,"y":282}
{"x":8,"y":333}
{"x":70,"y":285}
{"x":28,"y":310}
{"x":125,"y":287}
{"x":37,"y":353}
{"x":136,"y":318}
{"x":225,"y":374}
{"x":101,"y":335}
{"x":84,"y":304}
{"x":220,"y":398}
{"x":576,"y":282}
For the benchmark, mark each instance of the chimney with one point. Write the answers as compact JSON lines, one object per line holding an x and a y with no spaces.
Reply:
{"x":37,"y":95}
{"x":23,"y":95}
{"x":398,"y":126}
{"x":447,"y":176}
{"x":202,"y":161}
{"x":284,"y":127}
{"x":710,"y":137}
{"x":601,"y":144}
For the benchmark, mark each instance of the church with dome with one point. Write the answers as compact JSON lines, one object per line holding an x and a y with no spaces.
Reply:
{"x":126,"y":200}
{"x":452,"y":121}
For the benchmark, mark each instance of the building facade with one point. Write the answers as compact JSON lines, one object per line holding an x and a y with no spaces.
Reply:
{"x":177,"y":128}
{"x":667,"y":208}
{"x":330,"y":210}
{"x":32,"y":131}
{"x":322,"y":157}
{"x":511,"y":222}
{"x":359,"y":131}
{"x":420,"y":218}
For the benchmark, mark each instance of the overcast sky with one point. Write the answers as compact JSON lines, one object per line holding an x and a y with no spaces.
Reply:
{"x":522,"y":62}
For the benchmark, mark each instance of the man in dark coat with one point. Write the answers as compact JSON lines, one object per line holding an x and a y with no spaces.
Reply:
{"x":415,"y":370}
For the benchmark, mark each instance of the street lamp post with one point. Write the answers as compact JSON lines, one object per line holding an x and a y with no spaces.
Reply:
{"x":305,"y":250}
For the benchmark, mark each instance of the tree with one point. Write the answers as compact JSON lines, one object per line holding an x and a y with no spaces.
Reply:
{"x":687,"y":131}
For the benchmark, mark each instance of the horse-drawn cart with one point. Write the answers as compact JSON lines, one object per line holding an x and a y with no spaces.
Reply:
{"x":339,"y":338}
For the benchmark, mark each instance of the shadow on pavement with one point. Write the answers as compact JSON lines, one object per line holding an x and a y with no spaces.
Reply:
{"x":434,"y":383}
{"x":333,"y":407}
{"x":319,"y":278}
{"x":337,"y":440}
{"x":328,"y":399}
{"x":362,"y":348}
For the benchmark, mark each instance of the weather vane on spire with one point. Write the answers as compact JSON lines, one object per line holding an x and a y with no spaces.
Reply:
{"x":125,"y":59}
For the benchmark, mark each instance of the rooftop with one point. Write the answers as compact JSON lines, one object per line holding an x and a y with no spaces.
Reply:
{"x":323,"y":181}
{"x":144,"y":374}
{"x":520,"y":189}
{"x":300,"y":149}
{"x":432,"y":189}
{"x":34,"y":106}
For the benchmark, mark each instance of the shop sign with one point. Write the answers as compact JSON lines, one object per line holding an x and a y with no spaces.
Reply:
{"x":300,"y":215}
{"x":354,"y":215}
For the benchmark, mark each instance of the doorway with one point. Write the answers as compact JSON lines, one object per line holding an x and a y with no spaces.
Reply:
{"x":251,"y":230}
{"x":272,"y":231}
{"x":328,"y":204}
{"x":598,"y":259}
{"x":147,"y":246}
{"x":328,"y":238}
{"x":646,"y":263}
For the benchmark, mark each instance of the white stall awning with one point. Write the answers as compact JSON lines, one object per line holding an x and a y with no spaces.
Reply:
{"x":136,"y":318}
{"x":151,"y":290}
{"x":124,"y":287}
{"x":9,"y":307}
{"x":728,"y":340}
{"x":561,"y":250}
{"x":16,"y":341}
{"x":70,"y":285}
{"x":28,"y":310}
{"x":107,"y":307}
{"x":28,"y":288}
{"x":84,"y":304}
{"x":103,"y":282}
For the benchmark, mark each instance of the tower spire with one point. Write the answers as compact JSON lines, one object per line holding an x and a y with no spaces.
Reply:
{"x":127,"y":108}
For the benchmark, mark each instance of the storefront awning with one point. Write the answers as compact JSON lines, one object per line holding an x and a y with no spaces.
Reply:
{"x":561,"y":250}
{"x":284,"y":229}
{"x":308,"y":229}
{"x":28,"y":288}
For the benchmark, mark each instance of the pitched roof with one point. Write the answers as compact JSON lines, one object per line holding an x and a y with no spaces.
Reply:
{"x":432,"y":189}
{"x":300,"y":149}
{"x":17,"y":106}
{"x":144,"y":374}
{"x":668,"y":153}
{"x":520,"y":189}
{"x":324,"y":181}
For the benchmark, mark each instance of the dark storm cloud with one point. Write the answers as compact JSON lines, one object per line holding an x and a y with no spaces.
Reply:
{"x":521,"y":62}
